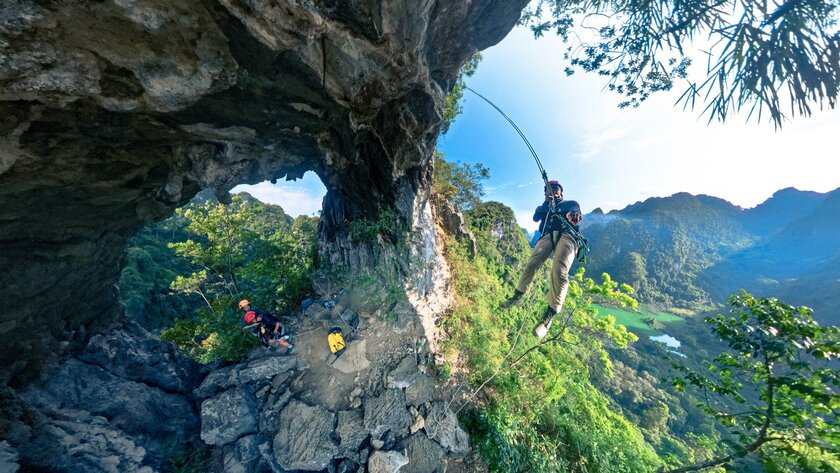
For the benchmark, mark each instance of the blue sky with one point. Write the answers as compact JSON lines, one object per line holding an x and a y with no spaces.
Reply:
{"x":606,"y":157}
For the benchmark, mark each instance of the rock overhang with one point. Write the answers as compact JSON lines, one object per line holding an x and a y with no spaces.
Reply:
{"x":113,"y":114}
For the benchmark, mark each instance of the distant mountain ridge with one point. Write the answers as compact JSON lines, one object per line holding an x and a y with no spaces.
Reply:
{"x":692,"y":251}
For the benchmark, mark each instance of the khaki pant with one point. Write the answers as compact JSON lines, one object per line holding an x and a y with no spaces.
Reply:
{"x":564,"y":255}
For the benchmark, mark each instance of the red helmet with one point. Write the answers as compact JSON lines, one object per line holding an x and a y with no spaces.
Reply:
{"x":250,"y":316}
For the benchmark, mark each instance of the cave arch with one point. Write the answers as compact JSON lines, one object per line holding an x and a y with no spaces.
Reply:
{"x":111,"y":117}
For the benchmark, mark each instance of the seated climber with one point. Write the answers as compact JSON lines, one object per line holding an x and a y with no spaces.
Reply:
{"x":270,"y":330}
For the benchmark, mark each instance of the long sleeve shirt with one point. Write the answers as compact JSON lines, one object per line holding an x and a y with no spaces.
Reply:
{"x":553,"y":224}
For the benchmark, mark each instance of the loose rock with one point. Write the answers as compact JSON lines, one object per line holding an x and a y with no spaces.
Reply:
{"x":387,"y":412}
{"x":227,"y":417}
{"x":386,"y":461}
{"x":304,"y":439}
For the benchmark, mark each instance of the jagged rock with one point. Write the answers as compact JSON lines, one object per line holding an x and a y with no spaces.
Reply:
{"x":304,"y":439}
{"x":453,"y":223}
{"x":53,"y":428}
{"x":442,"y":427}
{"x":128,"y":405}
{"x":265,"y":368}
{"x":270,"y":412}
{"x":424,"y":455}
{"x":8,"y":458}
{"x":387,"y":412}
{"x":243,"y":456}
{"x":347,"y":466}
{"x":351,"y":430}
{"x":420,"y":391}
{"x":72,"y":440}
{"x":386,"y":461}
{"x":419,"y":423}
{"x":377,"y":444}
{"x":216,"y":382}
{"x":280,"y":380}
{"x":133,"y":353}
{"x":228,"y":416}
{"x":256,"y":370}
{"x":404,"y":374}
{"x":418,"y":386}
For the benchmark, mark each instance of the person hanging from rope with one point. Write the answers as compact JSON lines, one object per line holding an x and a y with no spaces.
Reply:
{"x":559,"y":220}
{"x":270,"y":330}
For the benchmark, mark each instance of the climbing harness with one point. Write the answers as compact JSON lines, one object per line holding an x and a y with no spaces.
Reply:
{"x":583,"y":247}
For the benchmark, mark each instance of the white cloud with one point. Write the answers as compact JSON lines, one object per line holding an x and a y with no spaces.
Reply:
{"x":597,"y":140}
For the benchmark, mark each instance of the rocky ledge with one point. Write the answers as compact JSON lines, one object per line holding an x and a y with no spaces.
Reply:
{"x":375,"y":408}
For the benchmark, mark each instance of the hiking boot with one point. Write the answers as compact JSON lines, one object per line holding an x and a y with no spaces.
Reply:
{"x":513,"y":301}
{"x":290,"y":349}
{"x":541,"y":330}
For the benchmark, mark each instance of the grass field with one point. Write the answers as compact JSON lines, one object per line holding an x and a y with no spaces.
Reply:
{"x":635,"y":320}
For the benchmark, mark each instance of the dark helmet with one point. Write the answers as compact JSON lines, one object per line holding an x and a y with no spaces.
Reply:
{"x":554,"y":186}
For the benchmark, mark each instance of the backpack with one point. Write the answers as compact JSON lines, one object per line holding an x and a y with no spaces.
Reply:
{"x":336,"y":341}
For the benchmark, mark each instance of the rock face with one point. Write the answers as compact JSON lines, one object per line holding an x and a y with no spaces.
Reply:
{"x":115,"y":112}
{"x":81,"y":415}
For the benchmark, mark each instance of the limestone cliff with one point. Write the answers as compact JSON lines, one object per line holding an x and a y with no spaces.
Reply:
{"x":113,"y":113}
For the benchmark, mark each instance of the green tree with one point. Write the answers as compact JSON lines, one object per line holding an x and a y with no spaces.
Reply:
{"x":459,"y":184}
{"x":452,"y":105}
{"x":792,"y":403}
{"x":759,"y":55}
{"x":245,"y":249}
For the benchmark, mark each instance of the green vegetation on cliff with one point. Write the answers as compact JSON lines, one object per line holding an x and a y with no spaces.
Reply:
{"x":580,"y":401}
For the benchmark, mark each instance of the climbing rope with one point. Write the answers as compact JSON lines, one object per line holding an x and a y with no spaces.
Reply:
{"x":567,"y":226}
{"x":521,"y":135}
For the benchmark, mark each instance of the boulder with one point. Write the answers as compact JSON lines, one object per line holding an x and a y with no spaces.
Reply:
{"x":419,"y":387}
{"x":228,"y":416}
{"x":387,"y":412}
{"x":382,"y":461}
{"x":265,"y":368}
{"x":424,"y":455}
{"x":271,"y":410}
{"x":261,"y":369}
{"x":442,"y":427}
{"x":353,"y":359}
{"x":421,"y":390}
{"x":216,"y":382}
{"x":304,"y":439}
{"x":404,"y":374}
{"x":242,"y":456}
{"x":351,"y":430}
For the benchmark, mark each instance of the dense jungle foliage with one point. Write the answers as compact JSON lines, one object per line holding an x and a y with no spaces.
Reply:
{"x":208,"y":257}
